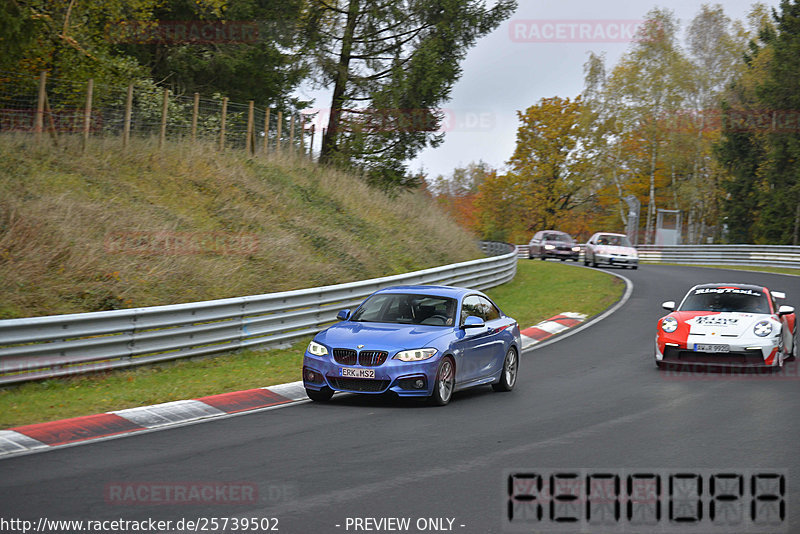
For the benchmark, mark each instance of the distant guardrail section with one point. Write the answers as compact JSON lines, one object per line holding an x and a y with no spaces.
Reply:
{"x":767,"y":255}
{"x":61,"y":345}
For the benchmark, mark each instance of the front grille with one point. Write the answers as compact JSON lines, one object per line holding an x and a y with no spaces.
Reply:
{"x":345,"y":356}
{"x":747,"y":357}
{"x":358,"y":384}
{"x":367,"y":358}
{"x":372,"y":358}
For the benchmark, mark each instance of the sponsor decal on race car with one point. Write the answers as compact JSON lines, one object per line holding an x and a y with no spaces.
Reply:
{"x":726,"y":290}
{"x":714,"y":320}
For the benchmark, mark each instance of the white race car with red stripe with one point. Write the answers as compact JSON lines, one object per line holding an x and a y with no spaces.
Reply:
{"x":730,"y":325}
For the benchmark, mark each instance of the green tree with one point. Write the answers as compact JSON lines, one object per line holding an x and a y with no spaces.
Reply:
{"x":390,"y":65}
{"x":266,"y":70}
{"x":779,"y":219}
{"x":763,"y":192}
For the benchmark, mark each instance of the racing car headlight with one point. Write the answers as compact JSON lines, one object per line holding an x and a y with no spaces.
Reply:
{"x":576,"y":249}
{"x":549,"y":247}
{"x":316,"y":349}
{"x":415,"y":355}
{"x":669,"y":324}
{"x":762,"y":328}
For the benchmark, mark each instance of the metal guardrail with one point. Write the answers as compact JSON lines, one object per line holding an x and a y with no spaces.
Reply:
{"x":61,"y":345}
{"x":771,"y":255}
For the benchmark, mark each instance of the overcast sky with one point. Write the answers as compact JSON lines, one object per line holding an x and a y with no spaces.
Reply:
{"x":510,"y":70}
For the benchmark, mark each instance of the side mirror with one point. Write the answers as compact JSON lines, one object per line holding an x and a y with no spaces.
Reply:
{"x":668,"y":305}
{"x":343,"y":315}
{"x":785,"y":310}
{"x":778,"y":294}
{"x":473,"y":322}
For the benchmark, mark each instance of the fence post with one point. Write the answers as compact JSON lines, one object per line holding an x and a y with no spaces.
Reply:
{"x":291,"y":133}
{"x":302,"y":134}
{"x":311,"y":144}
{"x":38,"y":122}
{"x":222,"y":124}
{"x":195,"y":111}
{"x":163,"y":133}
{"x":248,"y":143}
{"x":278,"y":135}
{"x":266,"y":131}
{"x":87,"y":112}
{"x":126,"y":129}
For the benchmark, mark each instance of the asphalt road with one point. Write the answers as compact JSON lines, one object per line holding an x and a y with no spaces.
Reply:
{"x":593,"y":402}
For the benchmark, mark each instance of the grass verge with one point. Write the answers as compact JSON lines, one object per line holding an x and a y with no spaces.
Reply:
{"x":543,"y":289}
{"x":539,"y":291}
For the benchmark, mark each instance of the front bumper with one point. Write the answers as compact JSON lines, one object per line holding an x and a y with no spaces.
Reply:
{"x":615,"y":259}
{"x":749,"y":354}
{"x":561,"y":254}
{"x":406,"y":379}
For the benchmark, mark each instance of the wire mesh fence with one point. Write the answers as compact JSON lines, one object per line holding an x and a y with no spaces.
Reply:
{"x":57,"y":108}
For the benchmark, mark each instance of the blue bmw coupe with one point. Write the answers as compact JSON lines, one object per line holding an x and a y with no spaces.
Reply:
{"x":415,"y":341}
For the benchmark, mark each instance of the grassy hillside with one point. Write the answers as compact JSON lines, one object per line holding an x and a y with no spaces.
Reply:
{"x":108,"y":229}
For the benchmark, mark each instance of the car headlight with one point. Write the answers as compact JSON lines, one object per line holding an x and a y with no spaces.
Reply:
{"x":669,"y":324}
{"x":549,"y":247}
{"x":576,"y":249}
{"x":316,"y":349}
{"x":762,"y":328}
{"x":415,"y":355}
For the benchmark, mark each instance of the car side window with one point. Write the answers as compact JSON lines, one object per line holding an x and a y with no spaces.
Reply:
{"x":490,"y":312}
{"x":471,"y":306}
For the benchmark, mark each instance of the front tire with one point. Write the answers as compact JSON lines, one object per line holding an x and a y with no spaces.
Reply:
{"x":445,"y":382}
{"x":508,"y":377}
{"x":321,"y":395}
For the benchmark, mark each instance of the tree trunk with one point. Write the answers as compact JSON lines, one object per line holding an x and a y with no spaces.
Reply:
{"x":649,"y":238}
{"x":338,"y":99}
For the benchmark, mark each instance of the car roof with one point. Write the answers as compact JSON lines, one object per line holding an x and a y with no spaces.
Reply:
{"x":438,"y":291}
{"x":610,"y":233}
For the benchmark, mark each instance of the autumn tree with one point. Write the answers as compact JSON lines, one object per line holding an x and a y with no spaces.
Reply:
{"x":650,"y":83}
{"x":457,"y":192}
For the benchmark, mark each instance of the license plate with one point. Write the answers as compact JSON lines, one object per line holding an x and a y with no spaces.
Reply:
{"x":349,"y":372}
{"x":700,"y":347}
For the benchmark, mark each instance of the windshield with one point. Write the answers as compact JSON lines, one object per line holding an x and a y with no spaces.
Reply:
{"x":407,"y":309}
{"x":726,"y":299}
{"x":614,"y":240}
{"x":558,"y":237}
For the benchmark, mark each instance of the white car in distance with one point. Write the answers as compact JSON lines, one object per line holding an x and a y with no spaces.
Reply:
{"x":610,"y":249}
